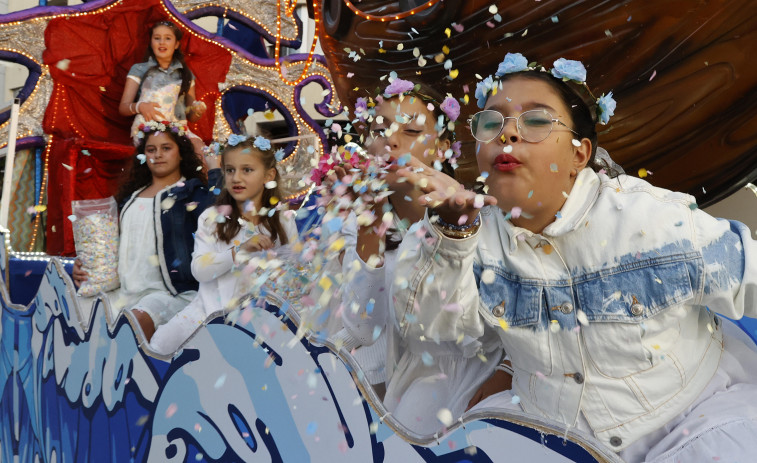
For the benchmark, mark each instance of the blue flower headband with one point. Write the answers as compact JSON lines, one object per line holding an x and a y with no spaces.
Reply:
{"x":567,"y":70}
{"x":215,"y":148}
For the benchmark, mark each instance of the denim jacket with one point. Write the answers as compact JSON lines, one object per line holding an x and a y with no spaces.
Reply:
{"x":175,"y":226}
{"x":608,"y":312}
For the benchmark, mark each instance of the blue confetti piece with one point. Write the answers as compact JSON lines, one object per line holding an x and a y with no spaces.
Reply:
{"x":515,"y":400}
{"x":530,"y":193}
{"x":369,"y":306}
{"x":312,"y":427}
{"x":216,"y":191}
{"x":558,"y":215}
{"x":176,"y":263}
{"x":554,"y":19}
{"x":376,"y":332}
{"x":430,"y":279}
{"x":86,"y":153}
{"x":279,"y":154}
{"x":427,"y":359}
{"x":334,"y":225}
{"x":250,"y":111}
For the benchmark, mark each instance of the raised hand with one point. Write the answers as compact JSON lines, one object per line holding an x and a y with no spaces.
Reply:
{"x":445,"y":195}
{"x":257,"y":243}
{"x":149,"y":110}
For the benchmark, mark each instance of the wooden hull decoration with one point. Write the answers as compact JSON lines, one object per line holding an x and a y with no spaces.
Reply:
{"x":682,"y":72}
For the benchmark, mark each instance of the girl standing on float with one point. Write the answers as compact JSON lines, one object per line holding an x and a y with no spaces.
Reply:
{"x":160,"y":201}
{"x":229,"y":232}
{"x":603,"y":291}
{"x":162,"y":88}
{"x":411,"y":125}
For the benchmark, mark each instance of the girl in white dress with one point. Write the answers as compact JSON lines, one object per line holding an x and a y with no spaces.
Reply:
{"x":228,"y":233}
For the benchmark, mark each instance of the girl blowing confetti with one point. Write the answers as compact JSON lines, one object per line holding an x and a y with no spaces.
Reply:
{"x":603,"y":291}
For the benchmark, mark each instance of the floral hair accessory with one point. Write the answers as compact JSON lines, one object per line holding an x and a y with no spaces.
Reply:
{"x":605,"y":108}
{"x":162,"y":126}
{"x":235,"y":139}
{"x":451,"y":108}
{"x":568,"y":69}
{"x":213,"y":149}
{"x":361,"y":108}
{"x":513,"y":62}
{"x":564,"y":69}
{"x":398,"y":87}
{"x":262,"y":143}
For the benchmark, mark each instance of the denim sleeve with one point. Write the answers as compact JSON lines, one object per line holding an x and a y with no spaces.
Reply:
{"x":729,"y":257}
{"x":434,"y":287}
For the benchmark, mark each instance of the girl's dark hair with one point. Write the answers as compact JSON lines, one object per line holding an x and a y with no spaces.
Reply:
{"x":139,"y":174}
{"x":582,"y":113}
{"x":227,"y":230}
{"x":178,"y":55}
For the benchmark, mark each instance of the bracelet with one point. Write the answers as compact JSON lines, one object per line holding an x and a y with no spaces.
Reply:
{"x":464,"y":227}
{"x":131,"y":108}
{"x":136,"y":108}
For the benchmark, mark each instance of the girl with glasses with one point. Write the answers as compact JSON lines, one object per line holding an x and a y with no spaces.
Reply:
{"x":602,"y":291}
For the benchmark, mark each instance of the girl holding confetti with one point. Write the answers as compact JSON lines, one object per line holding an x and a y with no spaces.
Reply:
{"x":161,"y":199}
{"x":162,"y":88}
{"x":227,"y":234}
{"x":411,"y":125}
{"x":603,"y":291}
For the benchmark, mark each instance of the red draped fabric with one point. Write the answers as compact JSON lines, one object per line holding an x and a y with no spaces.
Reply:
{"x":83,"y":169}
{"x":89,"y":57}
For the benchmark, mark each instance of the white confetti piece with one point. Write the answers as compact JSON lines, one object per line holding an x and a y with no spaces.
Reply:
{"x":487,"y":276}
{"x":445,"y":416}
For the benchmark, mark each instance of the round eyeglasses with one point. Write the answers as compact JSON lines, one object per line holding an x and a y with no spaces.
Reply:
{"x":533,"y":126}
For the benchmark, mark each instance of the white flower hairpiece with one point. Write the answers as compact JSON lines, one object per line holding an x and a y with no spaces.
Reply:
{"x":564,"y":69}
{"x":162,"y":126}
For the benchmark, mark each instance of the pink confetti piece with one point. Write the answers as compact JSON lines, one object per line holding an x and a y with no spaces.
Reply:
{"x":171,"y":410}
{"x":454,"y":307}
{"x":515,"y":212}
{"x":654,"y":73}
{"x":463,"y":218}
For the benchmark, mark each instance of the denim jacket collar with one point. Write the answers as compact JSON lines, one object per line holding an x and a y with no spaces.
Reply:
{"x":580,"y":200}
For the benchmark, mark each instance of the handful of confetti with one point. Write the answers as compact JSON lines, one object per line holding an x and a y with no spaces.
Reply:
{"x":95,"y":226}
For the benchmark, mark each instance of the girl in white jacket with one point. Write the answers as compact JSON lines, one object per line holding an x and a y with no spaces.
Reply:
{"x":603,"y":291}
{"x":228,"y":232}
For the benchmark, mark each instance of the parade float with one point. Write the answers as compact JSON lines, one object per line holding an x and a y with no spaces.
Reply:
{"x":77,"y":385}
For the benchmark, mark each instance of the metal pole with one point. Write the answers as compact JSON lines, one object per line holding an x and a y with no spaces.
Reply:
{"x":9,"y":158}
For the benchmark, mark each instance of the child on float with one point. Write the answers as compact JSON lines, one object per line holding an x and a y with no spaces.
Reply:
{"x":162,"y":88}
{"x":603,"y":291}
{"x":229,"y":232}
{"x":160,"y":201}
{"x":411,"y":125}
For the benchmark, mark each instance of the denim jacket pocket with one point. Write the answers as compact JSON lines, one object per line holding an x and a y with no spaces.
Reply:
{"x":513,"y":306}
{"x":633,"y":314}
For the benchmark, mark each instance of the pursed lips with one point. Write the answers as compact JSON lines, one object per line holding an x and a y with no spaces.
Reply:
{"x":506,"y":162}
